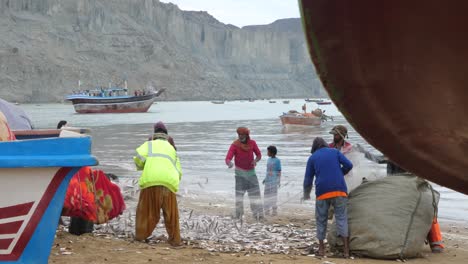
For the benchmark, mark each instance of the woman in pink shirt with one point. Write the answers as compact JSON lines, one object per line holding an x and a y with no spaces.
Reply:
{"x":243,"y":150}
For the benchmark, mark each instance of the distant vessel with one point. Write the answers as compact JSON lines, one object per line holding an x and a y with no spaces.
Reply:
{"x":313,"y":100}
{"x":323,"y":102}
{"x":286,"y":102}
{"x":113,"y":100}
{"x":218,"y":102}
{"x":272,"y":101}
{"x":296,"y":118}
{"x":315,"y":118}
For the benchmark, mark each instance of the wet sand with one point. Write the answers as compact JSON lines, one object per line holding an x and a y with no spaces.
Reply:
{"x":107,"y":245}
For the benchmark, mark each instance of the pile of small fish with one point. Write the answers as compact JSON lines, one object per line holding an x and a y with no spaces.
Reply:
{"x":224,"y":234}
{"x":218,"y":233}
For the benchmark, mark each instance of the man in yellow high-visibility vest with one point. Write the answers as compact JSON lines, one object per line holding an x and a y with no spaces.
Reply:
{"x":159,"y":183}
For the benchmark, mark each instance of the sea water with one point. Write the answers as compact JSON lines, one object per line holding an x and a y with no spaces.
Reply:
{"x":203,"y":132}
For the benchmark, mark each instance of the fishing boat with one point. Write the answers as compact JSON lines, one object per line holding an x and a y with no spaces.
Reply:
{"x":398,"y":81}
{"x":293,"y":117}
{"x":34,"y":176}
{"x":314,"y":118}
{"x":112,"y":100}
{"x":313,"y":100}
{"x":323,"y":102}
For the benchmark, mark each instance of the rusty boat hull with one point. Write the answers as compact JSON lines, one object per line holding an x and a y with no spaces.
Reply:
{"x":397,"y":70}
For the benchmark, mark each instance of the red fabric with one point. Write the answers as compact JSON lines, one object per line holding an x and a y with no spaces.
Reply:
{"x":109,"y":200}
{"x":93,"y":197}
{"x":346,"y":148}
{"x":79,"y":200}
{"x":243,"y":159}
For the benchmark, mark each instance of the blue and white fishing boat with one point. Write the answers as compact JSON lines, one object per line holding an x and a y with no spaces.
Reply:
{"x":34,"y":176}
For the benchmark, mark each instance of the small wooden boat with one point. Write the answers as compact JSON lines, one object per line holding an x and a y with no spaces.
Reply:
{"x":112,"y":100}
{"x":218,"y":102}
{"x":301,"y":119}
{"x":323,"y":103}
{"x":272,"y":102}
{"x":34,"y":176}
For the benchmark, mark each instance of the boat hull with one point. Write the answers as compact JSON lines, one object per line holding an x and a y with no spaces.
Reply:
{"x":397,"y":72}
{"x":119,"y":104}
{"x":300,"y":120}
{"x":34,"y":176}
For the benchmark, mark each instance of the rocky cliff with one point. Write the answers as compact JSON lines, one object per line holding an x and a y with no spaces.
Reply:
{"x":46,"y":46}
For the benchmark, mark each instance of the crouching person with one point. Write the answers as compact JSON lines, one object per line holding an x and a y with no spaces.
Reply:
{"x":328,"y":166}
{"x":159,"y":183}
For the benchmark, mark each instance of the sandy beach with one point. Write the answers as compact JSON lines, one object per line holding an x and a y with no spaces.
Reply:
{"x":102,"y":247}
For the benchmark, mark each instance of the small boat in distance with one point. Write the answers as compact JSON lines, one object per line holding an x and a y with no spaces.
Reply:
{"x":286,"y":102}
{"x":315,"y":118}
{"x":313,"y":100}
{"x":113,"y":100}
{"x":272,"y":102}
{"x":303,"y":119}
{"x":218,"y":102}
{"x":323,"y":103}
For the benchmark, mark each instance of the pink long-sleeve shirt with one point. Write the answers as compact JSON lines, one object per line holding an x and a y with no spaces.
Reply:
{"x":243,"y":159}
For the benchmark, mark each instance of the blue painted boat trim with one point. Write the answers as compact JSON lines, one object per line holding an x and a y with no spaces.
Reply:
{"x":50,"y":152}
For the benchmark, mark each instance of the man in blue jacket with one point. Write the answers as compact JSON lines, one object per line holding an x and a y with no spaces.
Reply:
{"x":328,"y":166}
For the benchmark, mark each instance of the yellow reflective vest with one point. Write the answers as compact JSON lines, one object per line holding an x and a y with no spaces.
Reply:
{"x":160,"y":164}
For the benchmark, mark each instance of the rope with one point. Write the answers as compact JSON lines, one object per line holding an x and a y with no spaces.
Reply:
{"x":434,"y":202}
{"x":405,"y":244}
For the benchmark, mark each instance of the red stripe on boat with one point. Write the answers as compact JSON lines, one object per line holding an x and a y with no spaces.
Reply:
{"x":15,"y":210}
{"x":5,"y":243}
{"x":10,"y":228}
{"x":37,"y":215}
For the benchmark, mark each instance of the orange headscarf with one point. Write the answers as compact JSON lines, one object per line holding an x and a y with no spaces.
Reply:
{"x":5,"y":132}
{"x":244,"y":146}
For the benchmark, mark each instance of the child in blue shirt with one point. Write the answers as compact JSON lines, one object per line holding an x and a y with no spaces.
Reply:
{"x":272,"y":182}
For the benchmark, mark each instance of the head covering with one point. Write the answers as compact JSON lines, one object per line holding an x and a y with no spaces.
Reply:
{"x":160,"y":127}
{"x":243,"y":131}
{"x":318,"y":144}
{"x":244,"y":146}
{"x":340,"y":130}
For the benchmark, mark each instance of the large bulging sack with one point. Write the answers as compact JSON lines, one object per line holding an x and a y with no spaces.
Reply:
{"x":389,"y":218}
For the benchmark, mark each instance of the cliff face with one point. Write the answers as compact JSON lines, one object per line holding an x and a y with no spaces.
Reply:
{"x":48,"y":45}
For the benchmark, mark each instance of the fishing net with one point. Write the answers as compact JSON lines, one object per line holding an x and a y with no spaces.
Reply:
{"x":389,"y":218}
{"x":206,"y":197}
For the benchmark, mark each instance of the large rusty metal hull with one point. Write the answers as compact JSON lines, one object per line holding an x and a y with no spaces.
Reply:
{"x":398,"y":71}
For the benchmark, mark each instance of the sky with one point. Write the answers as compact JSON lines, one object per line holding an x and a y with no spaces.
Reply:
{"x":242,"y":12}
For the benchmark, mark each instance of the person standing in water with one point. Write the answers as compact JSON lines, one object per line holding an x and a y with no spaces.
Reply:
{"x":272,"y":182}
{"x":243,"y":150}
